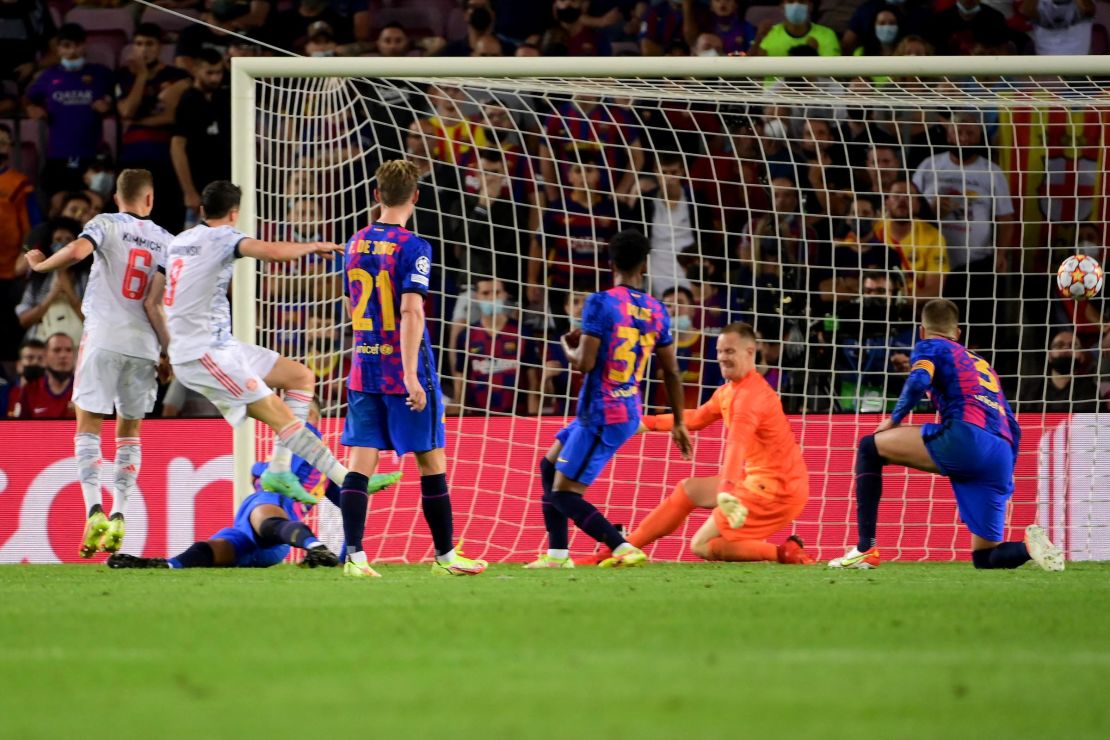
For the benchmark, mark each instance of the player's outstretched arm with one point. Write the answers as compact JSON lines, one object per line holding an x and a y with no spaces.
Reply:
{"x":695,"y":419}
{"x":412,"y":334}
{"x":74,"y":252}
{"x":672,"y":381}
{"x":286,"y":251}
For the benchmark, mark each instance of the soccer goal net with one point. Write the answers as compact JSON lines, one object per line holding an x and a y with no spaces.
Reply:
{"x":823,"y":201}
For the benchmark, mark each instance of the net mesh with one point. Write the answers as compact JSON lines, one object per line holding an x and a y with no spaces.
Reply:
{"x":822,"y":211}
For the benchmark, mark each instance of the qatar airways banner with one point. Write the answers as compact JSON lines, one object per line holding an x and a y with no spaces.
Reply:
{"x":185,"y":491}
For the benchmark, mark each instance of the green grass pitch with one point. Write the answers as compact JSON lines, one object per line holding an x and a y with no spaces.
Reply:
{"x":667,"y":651}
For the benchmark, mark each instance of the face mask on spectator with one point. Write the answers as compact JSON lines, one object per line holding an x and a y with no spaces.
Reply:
{"x":876,"y":309}
{"x":60,"y":375}
{"x":683,"y":323}
{"x":796,"y":13}
{"x":31,"y":373}
{"x":1088,"y":248}
{"x":886,"y":34}
{"x":325,"y":53}
{"x":575,"y":322}
{"x":480,"y":19}
{"x":966,"y":10}
{"x":774,"y":128}
{"x":569,"y":14}
{"x":861,"y":227}
{"x":72,"y":65}
{"x":491,"y":308}
{"x":102,"y":183}
{"x":1061,"y":365}
{"x":710,"y":52}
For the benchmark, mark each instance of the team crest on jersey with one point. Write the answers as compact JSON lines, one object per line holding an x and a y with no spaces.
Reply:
{"x":423,"y":265}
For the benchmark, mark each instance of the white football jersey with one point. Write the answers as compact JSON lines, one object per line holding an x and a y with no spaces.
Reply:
{"x":199,"y":265}
{"x":128,"y":251}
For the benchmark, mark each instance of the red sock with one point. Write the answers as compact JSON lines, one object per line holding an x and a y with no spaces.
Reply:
{"x":664,"y":519}
{"x":742,"y":551}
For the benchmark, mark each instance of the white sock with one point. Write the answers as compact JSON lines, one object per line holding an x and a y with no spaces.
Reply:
{"x":87,"y":448}
{"x":447,"y":557}
{"x":129,"y":456}
{"x":624,"y":547}
{"x":307,"y":445}
{"x":356,"y":556}
{"x":299,"y":402}
{"x":560,"y":554}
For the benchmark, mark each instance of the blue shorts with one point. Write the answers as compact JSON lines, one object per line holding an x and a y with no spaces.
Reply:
{"x":981,"y":467}
{"x":241,"y":535}
{"x":586,"y":450}
{"x":384,"y":422}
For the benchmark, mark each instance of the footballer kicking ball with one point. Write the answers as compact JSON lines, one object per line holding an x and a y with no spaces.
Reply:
{"x":1079,"y":277}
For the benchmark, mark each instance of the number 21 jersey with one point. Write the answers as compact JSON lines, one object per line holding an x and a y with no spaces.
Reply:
{"x":383,"y":262}
{"x":127,"y":251}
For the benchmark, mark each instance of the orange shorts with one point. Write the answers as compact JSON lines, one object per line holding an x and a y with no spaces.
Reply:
{"x":769,"y":508}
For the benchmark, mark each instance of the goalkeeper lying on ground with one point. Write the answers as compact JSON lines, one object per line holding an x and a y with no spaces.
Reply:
{"x":266,"y":525}
{"x":763,"y":484}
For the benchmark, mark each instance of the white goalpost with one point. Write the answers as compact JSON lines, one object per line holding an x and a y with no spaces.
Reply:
{"x":821,"y":199}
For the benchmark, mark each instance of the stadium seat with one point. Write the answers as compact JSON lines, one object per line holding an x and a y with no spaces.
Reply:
{"x":119,"y":20}
{"x":169,"y":22}
{"x":112,"y":42}
{"x":101,"y":53}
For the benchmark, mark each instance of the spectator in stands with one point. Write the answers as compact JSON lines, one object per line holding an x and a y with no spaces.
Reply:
{"x":495,"y":359}
{"x":729,"y":182}
{"x":196,"y":38}
{"x":393,"y":41}
{"x":583,"y":129}
{"x":438,"y":184}
{"x":797,"y":30}
{"x":921,"y":245}
{"x":559,"y":386}
{"x":870,"y":332}
{"x":527,"y":50}
{"x":669,"y":218}
{"x":480,"y":21}
{"x":28,"y":27}
{"x":724,"y":20}
{"x":581,"y":38}
{"x":291,"y":28}
{"x":662,"y":26}
{"x":884,"y":36}
{"x":909,"y":16}
{"x":454,"y":135}
{"x":1065,"y":388}
{"x":966,"y":25}
{"x":690,"y":348}
{"x":1060,"y":26}
{"x":99,"y":181}
{"x":779,"y":248}
{"x":576,"y":227}
{"x":828,"y":182}
{"x":148,"y":93}
{"x":914,"y":46}
{"x":201,"y":142}
{"x":488,"y":46}
{"x":18,"y":213}
{"x":49,"y":396}
{"x":51,"y":302}
{"x":29,"y":367}
{"x":321,"y":41}
{"x":325,"y":355}
{"x":972,"y":197}
{"x":884,"y":168}
{"x":74,"y":96}
{"x":180,"y":402}
{"x":487,"y":221}
{"x":708,"y":45}
{"x":857,"y":250}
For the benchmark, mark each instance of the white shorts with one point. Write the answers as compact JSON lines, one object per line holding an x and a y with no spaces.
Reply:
{"x":107,"y":381}
{"x":231,"y":377}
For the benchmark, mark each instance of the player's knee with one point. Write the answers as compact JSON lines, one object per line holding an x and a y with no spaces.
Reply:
{"x":701,"y":548}
{"x":303,"y":379}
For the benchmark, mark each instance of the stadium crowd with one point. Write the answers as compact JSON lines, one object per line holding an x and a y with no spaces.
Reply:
{"x":825,"y":228}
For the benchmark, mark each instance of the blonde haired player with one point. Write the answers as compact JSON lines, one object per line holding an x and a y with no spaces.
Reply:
{"x":763,"y":484}
{"x":120,"y":345}
{"x":236,"y":377}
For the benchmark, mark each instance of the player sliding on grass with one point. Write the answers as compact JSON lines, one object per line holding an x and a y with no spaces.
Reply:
{"x":234,"y":376}
{"x":266,"y":526}
{"x":763,"y":484}
{"x":620,"y":328}
{"x":393,"y":394}
{"x":116,"y":367}
{"x":975,"y":446}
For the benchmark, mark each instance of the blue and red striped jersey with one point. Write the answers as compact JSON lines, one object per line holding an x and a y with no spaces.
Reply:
{"x":630,"y":324}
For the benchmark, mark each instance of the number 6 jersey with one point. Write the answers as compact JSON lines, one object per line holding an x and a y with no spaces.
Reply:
{"x":384,"y":261}
{"x":630,"y":324}
{"x":127,"y":250}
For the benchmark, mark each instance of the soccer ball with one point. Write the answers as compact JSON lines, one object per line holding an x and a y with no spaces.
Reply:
{"x":1079,"y":277}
